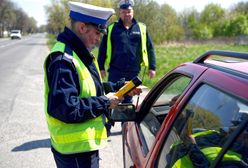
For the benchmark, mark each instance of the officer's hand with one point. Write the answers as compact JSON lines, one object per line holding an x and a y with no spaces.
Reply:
{"x":151,"y":73}
{"x":135,"y":91}
{"x":114,"y":100}
{"x":103,"y":74}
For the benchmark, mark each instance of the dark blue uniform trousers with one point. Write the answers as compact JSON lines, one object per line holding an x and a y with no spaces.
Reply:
{"x":79,"y":160}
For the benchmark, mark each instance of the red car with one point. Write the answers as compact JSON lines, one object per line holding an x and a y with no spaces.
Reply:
{"x":195,"y":116}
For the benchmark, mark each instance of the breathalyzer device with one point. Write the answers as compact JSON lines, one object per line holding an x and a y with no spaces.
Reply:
{"x":128,"y":86}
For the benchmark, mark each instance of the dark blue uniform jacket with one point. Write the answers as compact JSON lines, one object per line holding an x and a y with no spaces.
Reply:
{"x":126,"y":49}
{"x":64,"y":102}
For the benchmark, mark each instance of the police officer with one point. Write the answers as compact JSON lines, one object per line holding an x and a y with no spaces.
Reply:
{"x":125,"y":47}
{"x":75,"y":104}
{"x":196,"y":155}
{"x":205,"y":148}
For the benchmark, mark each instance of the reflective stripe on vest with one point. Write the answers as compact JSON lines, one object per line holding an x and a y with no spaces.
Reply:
{"x":202,"y":133}
{"x":212,"y":152}
{"x":77,"y":137}
{"x":142,"y":28}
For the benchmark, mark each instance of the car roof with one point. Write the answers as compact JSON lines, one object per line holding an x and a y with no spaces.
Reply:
{"x":235,"y":61}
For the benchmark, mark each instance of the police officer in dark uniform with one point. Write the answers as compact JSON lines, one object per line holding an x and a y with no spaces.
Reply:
{"x":126,"y":46}
{"x":75,"y":104}
{"x":200,"y":149}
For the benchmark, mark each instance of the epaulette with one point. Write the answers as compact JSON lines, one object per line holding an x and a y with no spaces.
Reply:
{"x":67,"y":57}
{"x":68,"y":54}
{"x":60,"y":56}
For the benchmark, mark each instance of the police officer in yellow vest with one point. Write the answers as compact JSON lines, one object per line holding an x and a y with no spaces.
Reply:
{"x":75,"y":103}
{"x":201,"y":151}
{"x":126,"y":46}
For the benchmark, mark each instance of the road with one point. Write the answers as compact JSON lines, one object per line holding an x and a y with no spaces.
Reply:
{"x":24,"y":138}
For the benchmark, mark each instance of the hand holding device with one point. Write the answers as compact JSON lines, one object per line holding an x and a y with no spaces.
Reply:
{"x":128,"y":87}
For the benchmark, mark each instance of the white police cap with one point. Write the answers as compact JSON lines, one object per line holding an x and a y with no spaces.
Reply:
{"x":87,"y":13}
{"x":126,"y":4}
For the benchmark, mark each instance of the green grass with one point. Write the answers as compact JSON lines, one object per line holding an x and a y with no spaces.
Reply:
{"x":169,"y":56}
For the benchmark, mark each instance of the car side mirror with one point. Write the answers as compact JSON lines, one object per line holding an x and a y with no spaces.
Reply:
{"x":123,"y":112}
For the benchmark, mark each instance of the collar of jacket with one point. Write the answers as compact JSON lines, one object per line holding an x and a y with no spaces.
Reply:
{"x":70,"y":39}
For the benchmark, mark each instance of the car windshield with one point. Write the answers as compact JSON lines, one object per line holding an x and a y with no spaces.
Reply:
{"x":15,"y":31}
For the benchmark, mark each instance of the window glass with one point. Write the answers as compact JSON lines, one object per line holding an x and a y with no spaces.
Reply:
{"x":237,"y":154}
{"x":201,"y":129}
{"x":173,"y":89}
{"x":153,"y":120}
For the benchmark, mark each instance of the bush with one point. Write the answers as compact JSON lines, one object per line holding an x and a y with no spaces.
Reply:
{"x":202,"y":32}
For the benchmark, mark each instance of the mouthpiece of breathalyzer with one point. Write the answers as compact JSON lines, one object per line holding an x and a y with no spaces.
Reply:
{"x":128,"y":86}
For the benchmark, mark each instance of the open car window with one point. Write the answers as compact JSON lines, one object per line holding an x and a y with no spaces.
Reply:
{"x":202,"y":128}
{"x":151,"y":123}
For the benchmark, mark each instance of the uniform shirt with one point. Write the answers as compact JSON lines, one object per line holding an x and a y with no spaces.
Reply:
{"x":126,"y":49}
{"x":64,"y":102}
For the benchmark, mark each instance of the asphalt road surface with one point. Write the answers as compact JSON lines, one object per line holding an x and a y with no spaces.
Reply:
{"x":24,"y":138}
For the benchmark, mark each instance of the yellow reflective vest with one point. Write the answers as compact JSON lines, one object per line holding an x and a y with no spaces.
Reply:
{"x":210,"y":153}
{"x":142,"y":28}
{"x":77,"y":137}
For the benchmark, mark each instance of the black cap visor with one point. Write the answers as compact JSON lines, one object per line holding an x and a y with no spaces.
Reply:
{"x":100,"y":28}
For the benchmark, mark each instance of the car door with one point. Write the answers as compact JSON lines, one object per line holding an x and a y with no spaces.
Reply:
{"x":140,"y":137}
{"x":209,"y":131}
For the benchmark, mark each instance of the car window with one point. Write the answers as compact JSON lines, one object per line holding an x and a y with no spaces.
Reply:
{"x":201,"y":129}
{"x":237,"y":153}
{"x":151,"y":123}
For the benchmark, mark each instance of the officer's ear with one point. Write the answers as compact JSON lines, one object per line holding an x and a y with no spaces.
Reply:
{"x":81,"y":27}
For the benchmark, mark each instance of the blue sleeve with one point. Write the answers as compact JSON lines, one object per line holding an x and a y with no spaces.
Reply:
{"x":64,"y":102}
{"x":151,"y":53}
{"x":102,"y":53}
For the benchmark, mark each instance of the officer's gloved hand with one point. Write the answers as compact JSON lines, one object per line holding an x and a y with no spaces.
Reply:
{"x":198,"y":159}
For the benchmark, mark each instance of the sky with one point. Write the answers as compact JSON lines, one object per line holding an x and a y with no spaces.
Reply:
{"x":35,"y":8}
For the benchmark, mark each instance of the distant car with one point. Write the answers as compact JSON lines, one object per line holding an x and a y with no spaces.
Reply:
{"x":15,"y":34}
{"x":195,"y":116}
